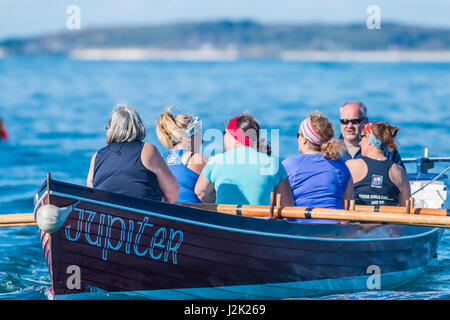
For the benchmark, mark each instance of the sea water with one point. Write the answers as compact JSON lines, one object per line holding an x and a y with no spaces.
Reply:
{"x":56,"y":109}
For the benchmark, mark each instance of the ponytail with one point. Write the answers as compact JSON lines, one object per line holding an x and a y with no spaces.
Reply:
{"x":386,"y":133}
{"x":170,"y":128}
{"x":264,"y":147}
{"x":331,"y":149}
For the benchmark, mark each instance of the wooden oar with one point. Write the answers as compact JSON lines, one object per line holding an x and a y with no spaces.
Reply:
{"x":5,"y":225}
{"x":388,"y":214}
{"x":409,"y":208}
{"x":329,"y":214}
{"x":17,"y":220}
{"x":396,"y":209}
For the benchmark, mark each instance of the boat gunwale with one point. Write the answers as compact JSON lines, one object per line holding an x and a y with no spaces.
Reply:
{"x":233,"y":229}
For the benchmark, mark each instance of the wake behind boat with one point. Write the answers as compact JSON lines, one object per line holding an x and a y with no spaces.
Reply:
{"x":110,"y":244}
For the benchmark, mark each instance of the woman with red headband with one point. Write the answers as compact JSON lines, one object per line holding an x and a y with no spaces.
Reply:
{"x":245,"y":173}
{"x":378,"y":180}
{"x":317,"y":176}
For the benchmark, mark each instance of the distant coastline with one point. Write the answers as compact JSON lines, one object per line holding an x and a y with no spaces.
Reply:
{"x":232,"y":54}
{"x":368,"y":56}
{"x":236,"y":40}
{"x":142,"y":54}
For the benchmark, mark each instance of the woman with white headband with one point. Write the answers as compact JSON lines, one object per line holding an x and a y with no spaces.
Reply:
{"x":182,"y":135}
{"x":378,"y":180}
{"x":317,"y":176}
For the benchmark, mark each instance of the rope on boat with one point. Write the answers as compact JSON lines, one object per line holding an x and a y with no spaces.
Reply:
{"x":431,"y":181}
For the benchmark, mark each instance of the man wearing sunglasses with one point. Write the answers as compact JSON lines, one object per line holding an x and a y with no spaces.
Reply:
{"x":353,"y":119}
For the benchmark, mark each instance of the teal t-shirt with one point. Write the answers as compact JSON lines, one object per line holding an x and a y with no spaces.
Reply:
{"x":244,"y":176}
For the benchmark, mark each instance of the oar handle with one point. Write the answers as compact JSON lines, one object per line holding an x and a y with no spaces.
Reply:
{"x":17,"y":220}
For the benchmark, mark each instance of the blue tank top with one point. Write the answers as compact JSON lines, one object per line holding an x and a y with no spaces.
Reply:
{"x":118,"y":168}
{"x":186,"y":177}
{"x":317,"y":182}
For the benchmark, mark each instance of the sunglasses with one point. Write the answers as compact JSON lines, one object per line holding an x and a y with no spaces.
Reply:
{"x":353,"y":121}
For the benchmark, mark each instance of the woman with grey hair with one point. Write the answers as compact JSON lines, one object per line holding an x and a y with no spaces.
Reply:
{"x":126,"y":165}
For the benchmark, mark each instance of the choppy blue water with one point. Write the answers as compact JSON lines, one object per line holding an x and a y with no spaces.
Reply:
{"x":56,"y":109}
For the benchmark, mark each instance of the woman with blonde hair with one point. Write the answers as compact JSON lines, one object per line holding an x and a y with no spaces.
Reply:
{"x":126,"y":165}
{"x":182,"y":135}
{"x":317,"y":176}
{"x":378,"y":180}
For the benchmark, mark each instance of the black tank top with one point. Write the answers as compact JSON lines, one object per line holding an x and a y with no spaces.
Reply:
{"x":376,"y":188}
{"x":118,"y":168}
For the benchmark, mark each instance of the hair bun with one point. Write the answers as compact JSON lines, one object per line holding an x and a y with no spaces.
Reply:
{"x":386,"y":133}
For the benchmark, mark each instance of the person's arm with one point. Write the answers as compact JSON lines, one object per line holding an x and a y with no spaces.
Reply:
{"x":196,"y":163}
{"x":204,"y":190}
{"x":152,"y":160}
{"x":284,"y":188}
{"x":348,"y":194}
{"x":90,"y":176}
{"x":399,"y":177}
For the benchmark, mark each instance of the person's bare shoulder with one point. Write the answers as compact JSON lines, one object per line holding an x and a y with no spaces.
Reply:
{"x":354,"y":163}
{"x":358,"y":169}
{"x":397,"y":174}
{"x":148,"y":148}
{"x":148,"y":155}
{"x":197,"y":162}
{"x":198,"y":158}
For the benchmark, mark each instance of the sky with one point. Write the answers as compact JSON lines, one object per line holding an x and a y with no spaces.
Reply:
{"x":23,"y":18}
